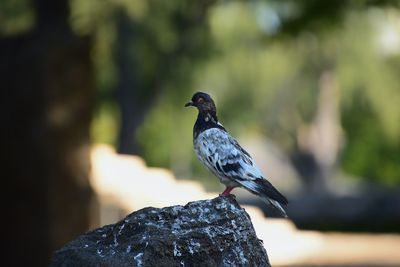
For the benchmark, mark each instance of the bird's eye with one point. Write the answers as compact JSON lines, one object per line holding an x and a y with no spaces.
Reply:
{"x":200,"y":100}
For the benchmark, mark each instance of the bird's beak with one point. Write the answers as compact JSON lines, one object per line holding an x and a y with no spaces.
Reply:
{"x":189,"y":104}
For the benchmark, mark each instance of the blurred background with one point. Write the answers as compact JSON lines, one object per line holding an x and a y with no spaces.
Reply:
{"x":93,"y":124}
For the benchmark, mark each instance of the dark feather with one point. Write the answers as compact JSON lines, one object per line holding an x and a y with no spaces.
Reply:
{"x":202,"y":124}
{"x":231,"y":167}
{"x":267,"y":189}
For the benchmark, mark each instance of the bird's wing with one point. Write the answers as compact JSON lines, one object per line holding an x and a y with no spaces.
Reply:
{"x":230,"y":160}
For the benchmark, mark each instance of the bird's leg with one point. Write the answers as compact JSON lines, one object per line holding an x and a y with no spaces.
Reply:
{"x":226,"y":192}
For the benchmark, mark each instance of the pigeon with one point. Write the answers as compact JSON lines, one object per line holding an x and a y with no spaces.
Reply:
{"x":225,"y":158}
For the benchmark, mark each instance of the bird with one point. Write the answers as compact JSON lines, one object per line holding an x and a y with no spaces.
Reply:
{"x":225,"y":158}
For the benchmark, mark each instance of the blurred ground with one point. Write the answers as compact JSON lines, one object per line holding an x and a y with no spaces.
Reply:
{"x":125,"y":184}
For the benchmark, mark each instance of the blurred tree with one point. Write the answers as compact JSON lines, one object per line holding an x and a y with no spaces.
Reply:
{"x":274,"y":56}
{"x":145,"y":54}
{"x":46,"y":105}
{"x":336,"y":35}
{"x":153,"y":46}
{"x":296,"y":68}
{"x":152,"y":55}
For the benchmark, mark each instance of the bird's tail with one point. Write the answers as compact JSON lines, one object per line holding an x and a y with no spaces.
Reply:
{"x":268,"y":193}
{"x":276,"y":205}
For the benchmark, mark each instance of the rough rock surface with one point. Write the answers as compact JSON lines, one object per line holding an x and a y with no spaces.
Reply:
{"x":216,"y":232}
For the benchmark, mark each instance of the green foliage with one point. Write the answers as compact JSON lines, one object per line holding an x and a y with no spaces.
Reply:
{"x":16,"y":17}
{"x":105,"y":124}
{"x":368,"y":153}
{"x":371,"y":114}
{"x":363,"y":64}
{"x":272,"y":87}
{"x":261,"y":60}
{"x":269,"y":85}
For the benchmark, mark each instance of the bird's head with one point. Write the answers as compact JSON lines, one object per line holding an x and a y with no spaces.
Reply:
{"x":203,"y":102}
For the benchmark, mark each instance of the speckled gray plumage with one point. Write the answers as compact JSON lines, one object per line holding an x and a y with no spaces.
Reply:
{"x":226,"y":159}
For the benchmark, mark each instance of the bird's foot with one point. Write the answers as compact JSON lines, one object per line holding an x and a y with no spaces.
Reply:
{"x":227,"y":192}
{"x":228,"y":195}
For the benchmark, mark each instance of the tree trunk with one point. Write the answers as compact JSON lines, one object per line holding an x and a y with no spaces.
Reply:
{"x":45,"y":114}
{"x":133,"y":97}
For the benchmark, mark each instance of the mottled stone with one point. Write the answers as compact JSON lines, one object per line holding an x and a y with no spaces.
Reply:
{"x":215,"y":232}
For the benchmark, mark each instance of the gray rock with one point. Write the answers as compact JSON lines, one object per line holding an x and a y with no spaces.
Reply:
{"x":215,"y":232}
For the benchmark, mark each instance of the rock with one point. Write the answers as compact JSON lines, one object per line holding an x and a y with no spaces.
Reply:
{"x":216,"y":232}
